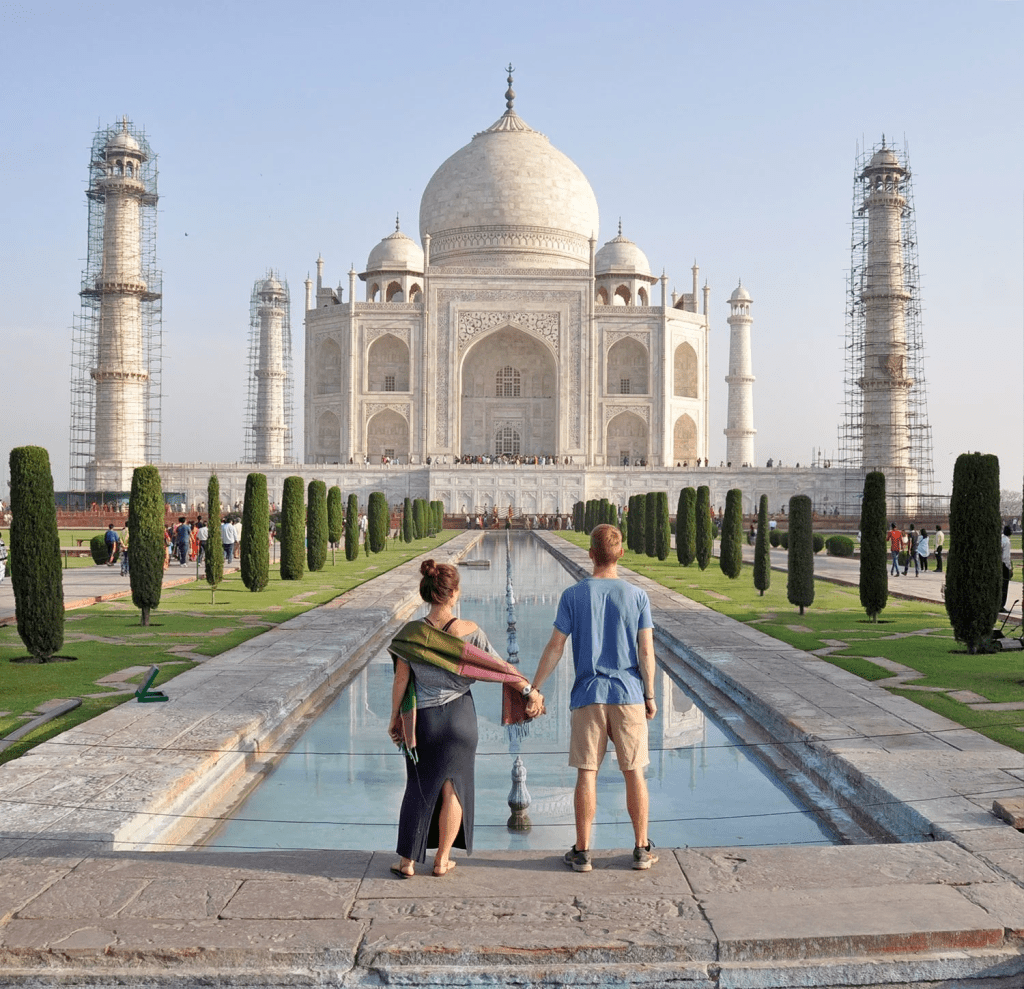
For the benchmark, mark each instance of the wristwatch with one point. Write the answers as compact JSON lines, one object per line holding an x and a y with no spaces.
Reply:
{"x":527,"y":690}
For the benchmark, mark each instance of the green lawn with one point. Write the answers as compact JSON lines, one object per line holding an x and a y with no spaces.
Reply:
{"x":108,"y":637}
{"x":916,"y":634}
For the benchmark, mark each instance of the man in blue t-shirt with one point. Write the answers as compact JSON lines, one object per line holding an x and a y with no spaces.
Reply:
{"x":609,"y":621}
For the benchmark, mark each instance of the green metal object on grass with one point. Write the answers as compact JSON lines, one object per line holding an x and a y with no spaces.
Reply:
{"x":146,"y":696}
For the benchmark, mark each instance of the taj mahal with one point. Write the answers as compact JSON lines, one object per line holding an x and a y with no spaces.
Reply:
{"x":505,"y":359}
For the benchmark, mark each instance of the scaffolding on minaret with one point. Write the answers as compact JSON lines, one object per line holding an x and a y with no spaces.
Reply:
{"x":101,"y":290}
{"x":914,"y":448}
{"x":269,"y":410}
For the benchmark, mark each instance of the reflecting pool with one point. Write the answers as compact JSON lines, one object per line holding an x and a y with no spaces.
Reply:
{"x":341,"y":785}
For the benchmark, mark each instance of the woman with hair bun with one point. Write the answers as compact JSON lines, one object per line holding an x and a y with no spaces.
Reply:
{"x":433,"y":720}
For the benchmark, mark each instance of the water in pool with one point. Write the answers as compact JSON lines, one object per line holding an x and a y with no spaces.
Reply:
{"x":341,"y":785}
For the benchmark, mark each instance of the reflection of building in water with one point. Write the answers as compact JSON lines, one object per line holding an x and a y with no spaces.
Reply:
{"x":680,"y":721}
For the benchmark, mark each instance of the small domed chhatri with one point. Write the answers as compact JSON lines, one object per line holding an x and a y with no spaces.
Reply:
{"x":622,"y":256}
{"x":509,"y":199}
{"x":396,"y":252}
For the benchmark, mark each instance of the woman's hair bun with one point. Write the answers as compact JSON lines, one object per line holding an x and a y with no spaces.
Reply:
{"x":428,"y":568}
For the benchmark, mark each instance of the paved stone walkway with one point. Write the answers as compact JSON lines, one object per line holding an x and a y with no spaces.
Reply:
{"x":84,"y":900}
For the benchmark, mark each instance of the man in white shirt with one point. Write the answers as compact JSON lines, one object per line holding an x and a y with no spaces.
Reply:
{"x":238,"y":537}
{"x":227,"y":537}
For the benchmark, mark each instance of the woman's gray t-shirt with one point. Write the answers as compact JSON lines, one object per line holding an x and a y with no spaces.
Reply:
{"x":435,"y":687}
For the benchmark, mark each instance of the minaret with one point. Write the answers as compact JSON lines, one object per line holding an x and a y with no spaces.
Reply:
{"x":740,"y":432}
{"x":268,"y":418}
{"x":883,"y":294}
{"x":114,"y":293}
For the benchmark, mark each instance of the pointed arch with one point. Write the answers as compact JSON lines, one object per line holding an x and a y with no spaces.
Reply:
{"x":328,"y":368}
{"x":387,"y":434}
{"x":685,"y":368}
{"x":387,"y":364}
{"x":394,"y":292}
{"x":622,"y":296}
{"x":628,"y":368}
{"x":328,"y":438}
{"x":684,"y":440}
{"x":626,"y":438}
{"x":602,"y":296}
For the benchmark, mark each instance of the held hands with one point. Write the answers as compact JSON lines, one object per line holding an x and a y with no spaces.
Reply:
{"x":535,"y":704}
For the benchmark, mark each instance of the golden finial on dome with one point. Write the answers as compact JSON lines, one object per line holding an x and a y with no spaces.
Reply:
{"x":510,"y":94}
{"x":396,"y":223}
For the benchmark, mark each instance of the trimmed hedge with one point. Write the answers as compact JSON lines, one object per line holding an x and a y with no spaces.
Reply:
{"x":407,"y":521}
{"x":255,"y":548}
{"x":650,"y":523}
{"x":293,"y":529}
{"x":800,"y":576}
{"x":842,"y":545}
{"x":35,"y":553}
{"x":974,"y":583}
{"x":640,"y":524}
{"x":762,"y":555}
{"x":774,"y":538}
{"x":146,"y":539}
{"x":819,"y":543}
{"x":98,"y":550}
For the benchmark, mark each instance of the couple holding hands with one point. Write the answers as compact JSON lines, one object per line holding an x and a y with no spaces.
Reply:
{"x":433,"y":720}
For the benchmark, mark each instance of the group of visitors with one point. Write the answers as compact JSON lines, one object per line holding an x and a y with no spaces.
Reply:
{"x":186,"y":542}
{"x":915,"y":543}
{"x":433,"y":719}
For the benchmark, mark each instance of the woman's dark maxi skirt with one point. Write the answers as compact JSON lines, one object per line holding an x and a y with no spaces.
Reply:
{"x":446,"y":739}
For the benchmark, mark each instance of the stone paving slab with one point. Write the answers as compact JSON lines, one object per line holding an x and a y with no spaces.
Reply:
{"x":770,"y":925}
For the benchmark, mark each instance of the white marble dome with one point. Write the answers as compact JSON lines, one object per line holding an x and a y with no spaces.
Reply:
{"x":509,"y":199}
{"x":621,"y":256}
{"x":740,"y":294}
{"x":396,"y":252}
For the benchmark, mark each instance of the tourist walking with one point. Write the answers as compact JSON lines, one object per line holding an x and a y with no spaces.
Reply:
{"x":433,"y":720}
{"x":911,"y":547}
{"x":923,"y":549}
{"x":113,"y":543}
{"x":895,"y":537}
{"x":940,"y":540}
{"x":125,"y":571}
{"x":182,"y":536}
{"x":204,"y":538}
{"x":227,"y":537}
{"x":3,"y":559}
{"x":610,"y":623}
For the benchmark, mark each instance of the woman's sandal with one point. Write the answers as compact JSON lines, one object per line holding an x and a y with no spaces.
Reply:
{"x":397,"y":870}
{"x":451,"y":865}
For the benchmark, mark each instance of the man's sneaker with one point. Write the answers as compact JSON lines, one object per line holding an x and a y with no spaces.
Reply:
{"x":644,"y":857}
{"x":577,"y":861}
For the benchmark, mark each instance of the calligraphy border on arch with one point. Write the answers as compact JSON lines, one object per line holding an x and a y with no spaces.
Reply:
{"x":370,"y":409}
{"x":371,"y":333}
{"x":446,"y":296}
{"x":611,"y":411}
{"x":612,"y":337}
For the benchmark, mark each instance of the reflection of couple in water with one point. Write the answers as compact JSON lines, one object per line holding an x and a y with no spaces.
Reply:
{"x":433,"y":719}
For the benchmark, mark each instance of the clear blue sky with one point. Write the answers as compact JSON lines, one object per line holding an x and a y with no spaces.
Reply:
{"x":722,"y":132}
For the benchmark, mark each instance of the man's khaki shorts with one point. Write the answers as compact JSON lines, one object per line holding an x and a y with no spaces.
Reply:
{"x":593,"y":725}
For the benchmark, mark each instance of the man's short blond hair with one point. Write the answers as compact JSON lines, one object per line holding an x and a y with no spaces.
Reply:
{"x":606,"y":544}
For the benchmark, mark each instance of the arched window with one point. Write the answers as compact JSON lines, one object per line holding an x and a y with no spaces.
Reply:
{"x":394,"y":293}
{"x":415,"y":293}
{"x":642,"y":296}
{"x":685,"y":371}
{"x":621,"y":296}
{"x":372,"y":292}
{"x":602,"y":296}
{"x":508,"y":383}
{"x":506,"y":441}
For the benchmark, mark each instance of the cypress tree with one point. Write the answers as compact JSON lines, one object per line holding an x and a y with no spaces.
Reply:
{"x":440,"y":515}
{"x":639,"y":533}
{"x":602,"y":511}
{"x":730,"y":558}
{"x":378,"y":521}
{"x":629,"y":541}
{"x":703,"y":529}
{"x":686,"y":522}
{"x":874,"y":574}
{"x":352,"y":528}
{"x":588,"y":511}
{"x":255,"y":548}
{"x":800,"y":578}
{"x":419,"y":516}
{"x":662,"y":526}
{"x":146,"y":539}
{"x":577,"y":516}
{"x":335,"y":516}
{"x":35,"y":553}
{"x":650,"y":523}
{"x":316,"y":526}
{"x":214,"y":546}
{"x":762,"y":552}
{"x":293,"y":530}
{"x":407,"y":525}
{"x":974,"y":573}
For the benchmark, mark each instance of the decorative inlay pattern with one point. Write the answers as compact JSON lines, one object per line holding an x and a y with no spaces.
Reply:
{"x":370,"y":409}
{"x":641,"y":336}
{"x":611,"y":411}
{"x":375,"y":332}
{"x":545,"y":324}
